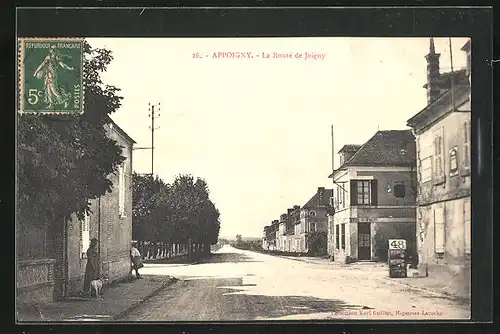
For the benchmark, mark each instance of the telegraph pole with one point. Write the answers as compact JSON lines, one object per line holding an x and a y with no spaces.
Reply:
{"x":153,"y":116}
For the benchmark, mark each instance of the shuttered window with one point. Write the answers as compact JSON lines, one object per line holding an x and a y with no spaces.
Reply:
{"x":84,"y":236}
{"x":438,"y":156}
{"x":364,"y":192}
{"x":467,"y":227}
{"x":343,"y":235}
{"x":453,"y":161}
{"x":121,"y":187}
{"x":439,"y":230}
{"x":466,"y":145}
{"x":337,"y":236}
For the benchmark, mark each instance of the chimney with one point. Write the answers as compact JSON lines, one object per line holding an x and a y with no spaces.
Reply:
{"x":432,"y":85}
{"x":321,"y":191}
{"x":467,"y":49}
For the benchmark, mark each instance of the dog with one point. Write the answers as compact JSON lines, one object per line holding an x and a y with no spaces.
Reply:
{"x":96,"y":286}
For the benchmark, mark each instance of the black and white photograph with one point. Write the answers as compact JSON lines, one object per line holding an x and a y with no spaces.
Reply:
{"x":210,"y":179}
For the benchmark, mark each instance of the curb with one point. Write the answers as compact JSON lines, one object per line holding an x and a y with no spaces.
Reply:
{"x":134,"y":305}
{"x":431,"y":292}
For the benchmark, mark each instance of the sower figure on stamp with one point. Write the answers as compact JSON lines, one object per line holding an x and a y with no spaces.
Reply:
{"x":54,"y":93}
{"x":93,"y":268}
{"x":135,"y":257}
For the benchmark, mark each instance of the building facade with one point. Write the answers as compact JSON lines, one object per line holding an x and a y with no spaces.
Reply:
{"x":51,"y":261}
{"x":442,"y":131}
{"x":110,"y":222}
{"x":310,"y":229}
{"x":373,"y":197}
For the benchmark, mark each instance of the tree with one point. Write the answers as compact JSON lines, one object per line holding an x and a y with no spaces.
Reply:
{"x":238,"y":239}
{"x":64,"y":162}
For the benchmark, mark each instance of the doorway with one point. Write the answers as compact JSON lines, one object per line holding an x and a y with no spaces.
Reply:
{"x":364,"y":242}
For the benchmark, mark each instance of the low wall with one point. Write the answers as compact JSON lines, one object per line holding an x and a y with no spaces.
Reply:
{"x":35,"y":281}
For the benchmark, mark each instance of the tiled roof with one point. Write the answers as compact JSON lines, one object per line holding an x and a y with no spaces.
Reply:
{"x":459,"y":77}
{"x":349,"y":148}
{"x":313,"y":202}
{"x":390,"y":148}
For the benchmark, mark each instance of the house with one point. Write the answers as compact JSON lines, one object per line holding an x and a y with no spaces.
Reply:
{"x":265,"y":237}
{"x":373,"y":197}
{"x":281,"y":239}
{"x":273,"y":235}
{"x":57,"y":269}
{"x":310,"y":229}
{"x":443,"y":136}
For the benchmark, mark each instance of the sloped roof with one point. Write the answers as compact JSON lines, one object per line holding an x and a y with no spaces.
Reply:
{"x":349,"y":148}
{"x":441,"y":106}
{"x":460,"y":77}
{"x":313,"y":202}
{"x":391,"y":148}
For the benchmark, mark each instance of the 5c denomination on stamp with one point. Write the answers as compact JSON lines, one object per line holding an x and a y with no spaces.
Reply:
{"x":51,"y":76}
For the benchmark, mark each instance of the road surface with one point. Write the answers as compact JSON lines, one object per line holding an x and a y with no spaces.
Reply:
{"x":240,"y":285}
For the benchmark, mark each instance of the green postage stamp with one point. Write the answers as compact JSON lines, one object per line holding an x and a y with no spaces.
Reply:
{"x":51,"y":76}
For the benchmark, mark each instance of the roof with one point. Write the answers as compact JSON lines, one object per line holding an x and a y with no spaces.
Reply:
{"x":460,"y":77}
{"x":313,"y":202}
{"x":391,"y":148}
{"x":349,"y":148}
{"x":440,"y":106}
{"x":121,"y":131}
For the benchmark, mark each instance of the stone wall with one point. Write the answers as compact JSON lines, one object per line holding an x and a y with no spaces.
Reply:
{"x":35,"y":281}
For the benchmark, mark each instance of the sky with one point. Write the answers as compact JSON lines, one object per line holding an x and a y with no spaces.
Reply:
{"x":258,"y":130}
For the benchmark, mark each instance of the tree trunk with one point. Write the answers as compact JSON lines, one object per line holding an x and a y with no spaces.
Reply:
{"x":190,"y":250}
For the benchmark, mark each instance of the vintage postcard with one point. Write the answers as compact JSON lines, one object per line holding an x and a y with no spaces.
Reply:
{"x":247,"y":179}
{"x":230,"y":174}
{"x":51,"y":76}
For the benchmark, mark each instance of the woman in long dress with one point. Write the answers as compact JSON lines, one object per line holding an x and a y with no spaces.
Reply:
{"x":53,"y":93}
{"x":93,"y":268}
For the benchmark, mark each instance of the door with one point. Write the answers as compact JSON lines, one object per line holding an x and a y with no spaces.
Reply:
{"x":364,"y":242}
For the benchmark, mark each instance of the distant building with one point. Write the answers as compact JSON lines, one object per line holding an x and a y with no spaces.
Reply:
{"x":57,"y":268}
{"x":374,"y":197}
{"x":310,"y":229}
{"x":266,"y":237}
{"x":443,"y":138}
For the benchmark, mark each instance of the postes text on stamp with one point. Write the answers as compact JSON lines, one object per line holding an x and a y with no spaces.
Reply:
{"x":51,"y":76}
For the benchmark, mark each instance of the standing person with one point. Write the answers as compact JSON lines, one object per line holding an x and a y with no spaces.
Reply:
{"x":135,"y":256}
{"x":93,"y":268}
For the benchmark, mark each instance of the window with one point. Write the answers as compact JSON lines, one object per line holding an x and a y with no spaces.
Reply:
{"x":337,"y":198}
{"x":467,"y":227}
{"x":121,"y":190}
{"x":439,"y":230}
{"x":312,"y":227}
{"x":426,"y":169}
{"x":399,"y":190}
{"x":343,"y":236}
{"x":337,"y":236}
{"x":438,"y":156}
{"x":312,"y":213}
{"x":363,"y":192}
{"x":453,"y":162}
{"x":466,"y":147}
{"x":85,"y":236}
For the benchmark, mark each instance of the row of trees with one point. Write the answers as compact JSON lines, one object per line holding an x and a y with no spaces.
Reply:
{"x":178,"y":213}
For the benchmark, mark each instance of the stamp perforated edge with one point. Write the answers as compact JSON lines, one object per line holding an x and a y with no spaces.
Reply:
{"x":20,"y":72}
